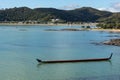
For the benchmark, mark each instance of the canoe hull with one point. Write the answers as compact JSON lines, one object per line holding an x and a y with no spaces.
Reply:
{"x":82,"y":60}
{"x":66,"y":61}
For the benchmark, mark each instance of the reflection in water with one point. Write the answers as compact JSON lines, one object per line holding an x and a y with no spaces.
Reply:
{"x":45,"y":64}
{"x":76,"y":71}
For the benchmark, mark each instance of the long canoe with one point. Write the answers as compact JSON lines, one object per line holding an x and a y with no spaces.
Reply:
{"x":81,"y":60}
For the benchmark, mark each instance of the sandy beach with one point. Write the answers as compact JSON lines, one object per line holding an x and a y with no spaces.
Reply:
{"x":108,"y":30}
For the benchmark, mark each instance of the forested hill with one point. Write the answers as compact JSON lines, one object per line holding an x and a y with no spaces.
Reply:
{"x":114,"y":18}
{"x":84,"y":14}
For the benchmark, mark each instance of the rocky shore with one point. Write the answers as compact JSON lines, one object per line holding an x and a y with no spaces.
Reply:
{"x":67,"y":29}
{"x":115,"y":42}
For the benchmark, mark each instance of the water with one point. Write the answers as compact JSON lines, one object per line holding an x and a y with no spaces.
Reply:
{"x":21,"y":45}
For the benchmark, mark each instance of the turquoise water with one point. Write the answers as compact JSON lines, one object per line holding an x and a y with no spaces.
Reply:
{"x":21,"y":45}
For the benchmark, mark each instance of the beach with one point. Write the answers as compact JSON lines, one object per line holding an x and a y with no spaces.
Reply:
{"x":108,"y":30}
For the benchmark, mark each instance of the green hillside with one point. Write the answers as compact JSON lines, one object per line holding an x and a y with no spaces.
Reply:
{"x":84,"y":14}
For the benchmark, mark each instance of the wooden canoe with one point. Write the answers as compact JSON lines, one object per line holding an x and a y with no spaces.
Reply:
{"x":81,"y":60}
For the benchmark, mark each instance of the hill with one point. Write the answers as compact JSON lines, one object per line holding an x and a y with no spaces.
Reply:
{"x":88,"y":14}
{"x":114,"y":18}
{"x":84,"y":14}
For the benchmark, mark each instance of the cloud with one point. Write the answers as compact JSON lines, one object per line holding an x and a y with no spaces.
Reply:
{"x":108,"y":9}
{"x":70,"y":7}
{"x":102,"y":9}
{"x":115,"y":7}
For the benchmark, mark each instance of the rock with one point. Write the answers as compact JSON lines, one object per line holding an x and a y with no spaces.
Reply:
{"x":97,"y":43}
{"x":66,"y":29}
{"x":70,"y":29}
{"x":51,"y":30}
{"x":115,"y":42}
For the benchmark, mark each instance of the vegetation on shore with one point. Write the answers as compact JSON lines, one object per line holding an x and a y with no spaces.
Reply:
{"x":112,"y":22}
{"x":109,"y":25}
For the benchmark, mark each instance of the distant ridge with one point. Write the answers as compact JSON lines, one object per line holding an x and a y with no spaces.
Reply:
{"x":84,"y":14}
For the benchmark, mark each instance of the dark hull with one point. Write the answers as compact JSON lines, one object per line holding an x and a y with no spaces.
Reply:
{"x":82,"y":60}
{"x":66,"y":61}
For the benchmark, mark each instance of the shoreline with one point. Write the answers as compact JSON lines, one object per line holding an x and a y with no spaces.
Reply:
{"x":49,"y":24}
{"x":107,"y":30}
{"x":69,"y":25}
{"x":15,"y":24}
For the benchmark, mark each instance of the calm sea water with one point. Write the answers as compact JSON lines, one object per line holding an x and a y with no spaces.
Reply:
{"x":21,"y":45}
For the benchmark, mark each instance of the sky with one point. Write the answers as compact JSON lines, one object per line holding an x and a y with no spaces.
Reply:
{"x":109,"y":5}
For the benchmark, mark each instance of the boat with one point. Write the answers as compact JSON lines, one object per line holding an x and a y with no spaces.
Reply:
{"x":81,"y":60}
